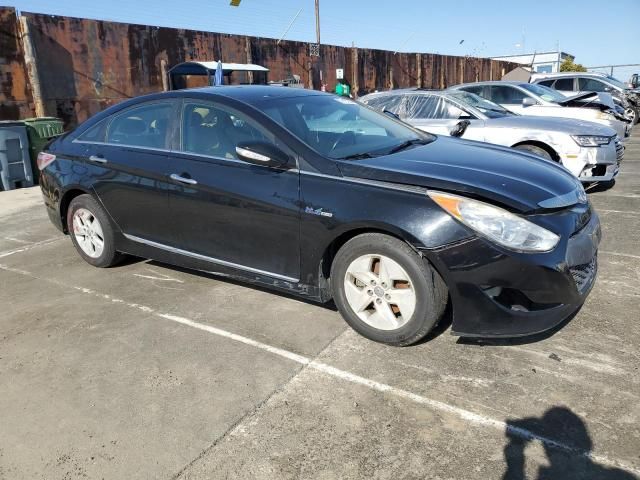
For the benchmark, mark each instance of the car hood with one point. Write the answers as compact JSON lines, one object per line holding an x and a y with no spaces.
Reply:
{"x":519,"y":181}
{"x":570,"y":126}
{"x":604,"y":100}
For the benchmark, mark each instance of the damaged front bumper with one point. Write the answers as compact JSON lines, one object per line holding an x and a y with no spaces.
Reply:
{"x":595,"y":164}
{"x":495,"y":293}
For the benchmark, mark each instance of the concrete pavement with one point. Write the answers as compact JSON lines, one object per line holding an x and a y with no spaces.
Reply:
{"x":147,"y":371}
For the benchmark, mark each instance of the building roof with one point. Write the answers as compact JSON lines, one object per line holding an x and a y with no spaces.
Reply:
{"x":533,"y":53}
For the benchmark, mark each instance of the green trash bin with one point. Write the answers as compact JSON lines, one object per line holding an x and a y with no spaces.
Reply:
{"x":40,"y":131}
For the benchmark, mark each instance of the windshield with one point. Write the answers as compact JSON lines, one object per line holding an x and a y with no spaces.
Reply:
{"x":616,"y":82}
{"x":545,"y":93}
{"x":486,"y":107}
{"x":339,"y":128}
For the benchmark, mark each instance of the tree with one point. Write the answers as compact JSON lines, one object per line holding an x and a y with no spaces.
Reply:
{"x":568,"y":66}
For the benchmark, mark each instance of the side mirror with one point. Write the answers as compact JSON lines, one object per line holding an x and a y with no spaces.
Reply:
{"x":262,"y":153}
{"x":528,"y":102}
{"x":459,"y":129}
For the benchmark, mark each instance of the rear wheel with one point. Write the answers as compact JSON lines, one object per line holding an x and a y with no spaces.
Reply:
{"x":535,"y":150}
{"x":385,"y":291}
{"x":91,"y":232}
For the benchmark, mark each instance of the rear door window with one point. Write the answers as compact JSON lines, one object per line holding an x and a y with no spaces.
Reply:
{"x":95,"y":134}
{"x":564,"y":84}
{"x":142,"y":126}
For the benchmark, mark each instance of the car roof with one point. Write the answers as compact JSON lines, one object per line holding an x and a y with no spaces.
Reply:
{"x":401,"y":91}
{"x":567,"y":74}
{"x":252,"y":93}
{"x":492,"y":82}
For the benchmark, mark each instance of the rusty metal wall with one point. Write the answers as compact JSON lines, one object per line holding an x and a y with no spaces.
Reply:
{"x":86,"y":65}
{"x":15,"y":96}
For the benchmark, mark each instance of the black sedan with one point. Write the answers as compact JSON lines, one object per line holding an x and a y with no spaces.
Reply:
{"x":322,"y":197}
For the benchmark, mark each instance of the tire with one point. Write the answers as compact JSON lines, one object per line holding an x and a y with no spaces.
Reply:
{"x":429,"y":290}
{"x":85,"y":233}
{"x":533,"y":149}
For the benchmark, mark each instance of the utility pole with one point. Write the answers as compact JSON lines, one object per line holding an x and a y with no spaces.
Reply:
{"x":318,"y":22}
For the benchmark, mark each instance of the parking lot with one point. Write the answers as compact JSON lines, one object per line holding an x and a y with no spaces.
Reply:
{"x":148,"y":371}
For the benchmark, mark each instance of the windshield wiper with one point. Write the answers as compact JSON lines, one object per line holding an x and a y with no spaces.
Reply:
{"x":407,"y":144}
{"x":357,"y":156}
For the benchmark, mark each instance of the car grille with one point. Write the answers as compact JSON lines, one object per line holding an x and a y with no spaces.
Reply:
{"x":583,"y":274}
{"x":619,"y":150}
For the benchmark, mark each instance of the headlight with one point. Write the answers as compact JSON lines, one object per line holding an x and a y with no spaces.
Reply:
{"x":605,"y":116}
{"x":591,"y":140}
{"x":497,"y":224}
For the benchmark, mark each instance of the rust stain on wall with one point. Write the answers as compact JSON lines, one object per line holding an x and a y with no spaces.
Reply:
{"x":15,"y":96}
{"x":86,"y":65}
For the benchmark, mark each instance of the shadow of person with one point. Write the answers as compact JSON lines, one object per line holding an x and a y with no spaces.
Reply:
{"x":568,"y":459}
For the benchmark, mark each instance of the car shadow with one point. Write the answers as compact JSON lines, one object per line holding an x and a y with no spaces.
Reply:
{"x":567,"y":446}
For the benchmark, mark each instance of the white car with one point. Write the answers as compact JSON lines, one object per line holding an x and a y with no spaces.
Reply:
{"x":590,"y":151}
{"x":540,"y":101}
{"x":574,"y":83}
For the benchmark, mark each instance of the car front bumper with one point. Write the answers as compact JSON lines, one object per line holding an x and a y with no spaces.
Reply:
{"x":595,"y":164}
{"x":500,"y":294}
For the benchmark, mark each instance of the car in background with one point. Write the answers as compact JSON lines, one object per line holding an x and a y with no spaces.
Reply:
{"x":590,"y":151}
{"x":634,"y":81}
{"x":532,"y":99}
{"x":249,"y":182}
{"x":574,"y":83}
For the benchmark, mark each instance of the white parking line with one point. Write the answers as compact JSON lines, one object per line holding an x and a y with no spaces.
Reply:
{"x":18,"y":240}
{"x":602,"y":210}
{"x":616,"y":254}
{"x":467,"y":415}
{"x":29,"y":247}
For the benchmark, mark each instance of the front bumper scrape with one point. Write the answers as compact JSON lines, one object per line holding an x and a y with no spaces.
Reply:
{"x":496,"y":293}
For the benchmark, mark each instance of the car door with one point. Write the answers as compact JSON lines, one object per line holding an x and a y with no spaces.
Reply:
{"x":129,"y":156}
{"x":229,"y":211}
{"x":508,"y":96}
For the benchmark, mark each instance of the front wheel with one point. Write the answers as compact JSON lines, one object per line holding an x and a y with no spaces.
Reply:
{"x":91,"y":232}
{"x":533,"y":149}
{"x":386,"y":291}
{"x":632,"y":114}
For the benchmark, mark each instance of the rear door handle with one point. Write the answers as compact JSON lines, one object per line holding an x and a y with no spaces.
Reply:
{"x":178,"y":178}
{"x":97,"y":159}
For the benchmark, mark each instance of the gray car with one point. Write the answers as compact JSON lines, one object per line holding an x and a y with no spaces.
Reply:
{"x":590,"y":151}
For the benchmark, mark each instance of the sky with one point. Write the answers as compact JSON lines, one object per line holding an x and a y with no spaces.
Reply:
{"x":604,"y":33}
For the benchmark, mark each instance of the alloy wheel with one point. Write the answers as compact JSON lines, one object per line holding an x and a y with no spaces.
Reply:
{"x":380,"y":292}
{"x":88,"y":232}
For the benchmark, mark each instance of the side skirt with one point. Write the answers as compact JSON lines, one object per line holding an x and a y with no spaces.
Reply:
{"x":192,"y":261}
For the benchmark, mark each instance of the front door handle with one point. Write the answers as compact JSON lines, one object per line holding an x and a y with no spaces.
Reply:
{"x":178,"y":178}
{"x":97,"y":159}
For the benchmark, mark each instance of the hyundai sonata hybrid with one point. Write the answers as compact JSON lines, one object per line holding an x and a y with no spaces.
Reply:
{"x":320,"y":196}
